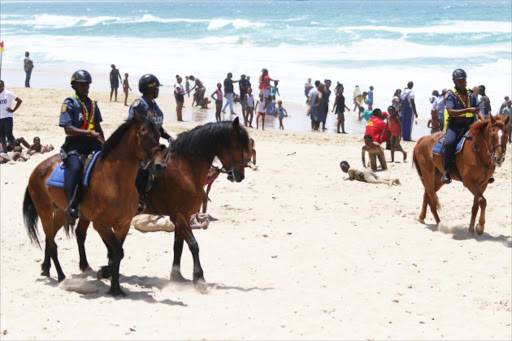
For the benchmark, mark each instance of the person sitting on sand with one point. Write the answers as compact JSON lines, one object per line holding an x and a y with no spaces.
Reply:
{"x":37,"y":147}
{"x":11,"y":157}
{"x":374,"y":150}
{"x":370,"y":177}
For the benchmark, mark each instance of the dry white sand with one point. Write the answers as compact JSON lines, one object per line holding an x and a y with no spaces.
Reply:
{"x":297,"y":252}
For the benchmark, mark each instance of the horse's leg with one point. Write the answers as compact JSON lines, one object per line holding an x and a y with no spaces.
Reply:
{"x":115,"y":255}
{"x":481,"y":201}
{"x":47,"y":264}
{"x":176,"y":263}
{"x":52,"y":221}
{"x":437,"y":186}
{"x":474,"y":211}
{"x":183,"y":228}
{"x":81,"y":235}
{"x":423,"y":212}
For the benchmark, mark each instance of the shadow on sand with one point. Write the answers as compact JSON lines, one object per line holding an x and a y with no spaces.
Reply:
{"x":462,"y":233}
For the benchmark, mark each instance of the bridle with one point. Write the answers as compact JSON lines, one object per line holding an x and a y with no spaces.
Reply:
{"x":489,"y":152}
{"x":231,"y":171}
{"x":147,"y":155}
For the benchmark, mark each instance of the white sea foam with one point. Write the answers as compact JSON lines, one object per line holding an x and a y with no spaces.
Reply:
{"x":216,"y":24}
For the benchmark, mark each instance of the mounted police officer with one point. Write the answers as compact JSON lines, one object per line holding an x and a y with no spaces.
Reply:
{"x":80,"y":117}
{"x":146,"y":106}
{"x":462,"y":107}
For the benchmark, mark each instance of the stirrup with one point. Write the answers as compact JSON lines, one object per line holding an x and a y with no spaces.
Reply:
{"x":446,"y":179}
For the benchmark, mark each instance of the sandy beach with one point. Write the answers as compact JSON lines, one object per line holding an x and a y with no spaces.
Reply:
{"x":297,"y":252}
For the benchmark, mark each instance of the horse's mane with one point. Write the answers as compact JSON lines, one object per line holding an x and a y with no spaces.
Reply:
{"x":117,"y":135}
{"x":204,"y":140}
{"x":476,"y":127}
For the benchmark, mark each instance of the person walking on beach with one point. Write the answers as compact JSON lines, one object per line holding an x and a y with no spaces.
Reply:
{"x":115,"y":77}
{"x":6,"y":115}
{"x":408,"y":109}
{"x":340,"y":106}
{"x":28,"y":65}
{"x":187,"y":86}
{"x":316,"y":108}
{"x":243,"y":85}
{"x":461,"y":105}
{"x":179,"y":93}
{"x":228,"y":93}
{"x":249,"y":100}
{"x":504,"y":104}
{"x":307,"y":88}
{"x":126,"y":88}
{"x":80,"y":117}
{"x":218,"y":101}
{"x":281,"y":113}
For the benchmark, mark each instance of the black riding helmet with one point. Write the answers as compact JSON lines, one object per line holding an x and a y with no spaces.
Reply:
{"x":81,"y":76}
{"x":459,"y":74}
{"x":148,"y":82}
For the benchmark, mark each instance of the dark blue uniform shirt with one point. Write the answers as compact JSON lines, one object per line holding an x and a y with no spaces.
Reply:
{"x":146,"y":108}
{"x":71,"y":113}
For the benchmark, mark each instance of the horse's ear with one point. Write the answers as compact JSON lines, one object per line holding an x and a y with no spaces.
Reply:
{"x":493,"y":120}
{"x":507,"y":121}
{"x":236,"y":124}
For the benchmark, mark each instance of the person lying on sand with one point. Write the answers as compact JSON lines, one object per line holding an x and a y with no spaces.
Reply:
{"x":370,"y":177}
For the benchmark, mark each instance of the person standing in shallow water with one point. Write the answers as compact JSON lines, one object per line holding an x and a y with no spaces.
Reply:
{"x":28,"y":65}
{"x":179,"y":95}
{"x":115,"y":77}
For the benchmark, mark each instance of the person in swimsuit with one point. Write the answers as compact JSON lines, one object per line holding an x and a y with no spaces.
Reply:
{"x":370,"y":177}
{"x":218,"y":101}
{"x":395,"y":128}
{"x":281,"y":113}
{"x":249,"y":110}
{"x":115,"y":77}
{"x":340,"y":106}
{"x":126,"y":87}
{"x":374,"y":151}
{"x":261,"y":106}
{"x":37,"y":147}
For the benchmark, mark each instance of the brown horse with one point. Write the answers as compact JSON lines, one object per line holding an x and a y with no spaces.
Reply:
{"x":179,"y":193}
{"x":110,"y":201}
{"x":483,"y":150}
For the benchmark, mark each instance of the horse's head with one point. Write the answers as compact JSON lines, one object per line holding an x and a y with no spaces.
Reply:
{"x":232,"y":156}
{"x":148,"y":136}
{"x":498,"y":138}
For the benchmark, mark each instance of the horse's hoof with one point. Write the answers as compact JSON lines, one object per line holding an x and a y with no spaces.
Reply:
{"x":85,"y":268}
{"x":420,"y":220}
{"x":176,"y":276}
{"x":201,"y":286}
{"x":104,"y":272}
{"x":479,"y":229}
{"x":471,"y":230}
{"x":45,"y":273}
{"x":116,"y":292}
{"x":62,"y":278}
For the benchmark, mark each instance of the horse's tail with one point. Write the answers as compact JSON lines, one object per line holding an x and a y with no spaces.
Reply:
{"x":30,"y":217}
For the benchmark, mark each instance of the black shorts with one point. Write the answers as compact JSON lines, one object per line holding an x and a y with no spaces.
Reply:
{"x":179,"y":98}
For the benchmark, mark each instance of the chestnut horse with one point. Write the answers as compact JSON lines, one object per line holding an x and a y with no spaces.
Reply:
{"x":110,"y":201}
{"x":483,"y":150}
{"x":179,"y":191}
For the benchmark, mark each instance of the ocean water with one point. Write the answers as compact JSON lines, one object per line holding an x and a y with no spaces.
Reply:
{"x":379,"y":43}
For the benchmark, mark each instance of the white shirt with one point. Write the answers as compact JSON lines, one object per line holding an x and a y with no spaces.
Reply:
{"x":178,"y":88}
{"x":6,"y":98}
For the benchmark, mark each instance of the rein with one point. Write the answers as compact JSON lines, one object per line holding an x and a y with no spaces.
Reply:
{"x":489,"y":154}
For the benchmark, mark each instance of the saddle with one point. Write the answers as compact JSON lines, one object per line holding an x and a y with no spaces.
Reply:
{"x":439,"y":146}
{"x":58,"y":175}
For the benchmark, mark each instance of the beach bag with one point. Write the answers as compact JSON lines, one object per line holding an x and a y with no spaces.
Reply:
{"x":404,"y":101}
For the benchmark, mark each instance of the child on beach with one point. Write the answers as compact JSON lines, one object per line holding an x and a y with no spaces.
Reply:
{"x":281,"y":112}
{"x":126,"y":87}
{"x":271,"y":107}
{"x":395,"y":127}
{"x":434,"y":123}
{"x":261,"y":106}
{"x":340,"y":106}
{"x":374,"y":151}
{"x":249,"y":109}
{"x":37,"y":147}
{"x":218,"y":101}
{"x":274,"y":90}
{"x":370,"y":177}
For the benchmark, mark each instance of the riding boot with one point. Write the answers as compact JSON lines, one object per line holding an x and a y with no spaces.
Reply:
{"x":141,"y":183}
{"x":446,"y":179}
{"x":72,"y":209}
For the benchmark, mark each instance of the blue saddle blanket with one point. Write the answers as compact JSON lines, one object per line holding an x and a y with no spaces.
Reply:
{"x":439,"y":146}
{"x":56,"y":179}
